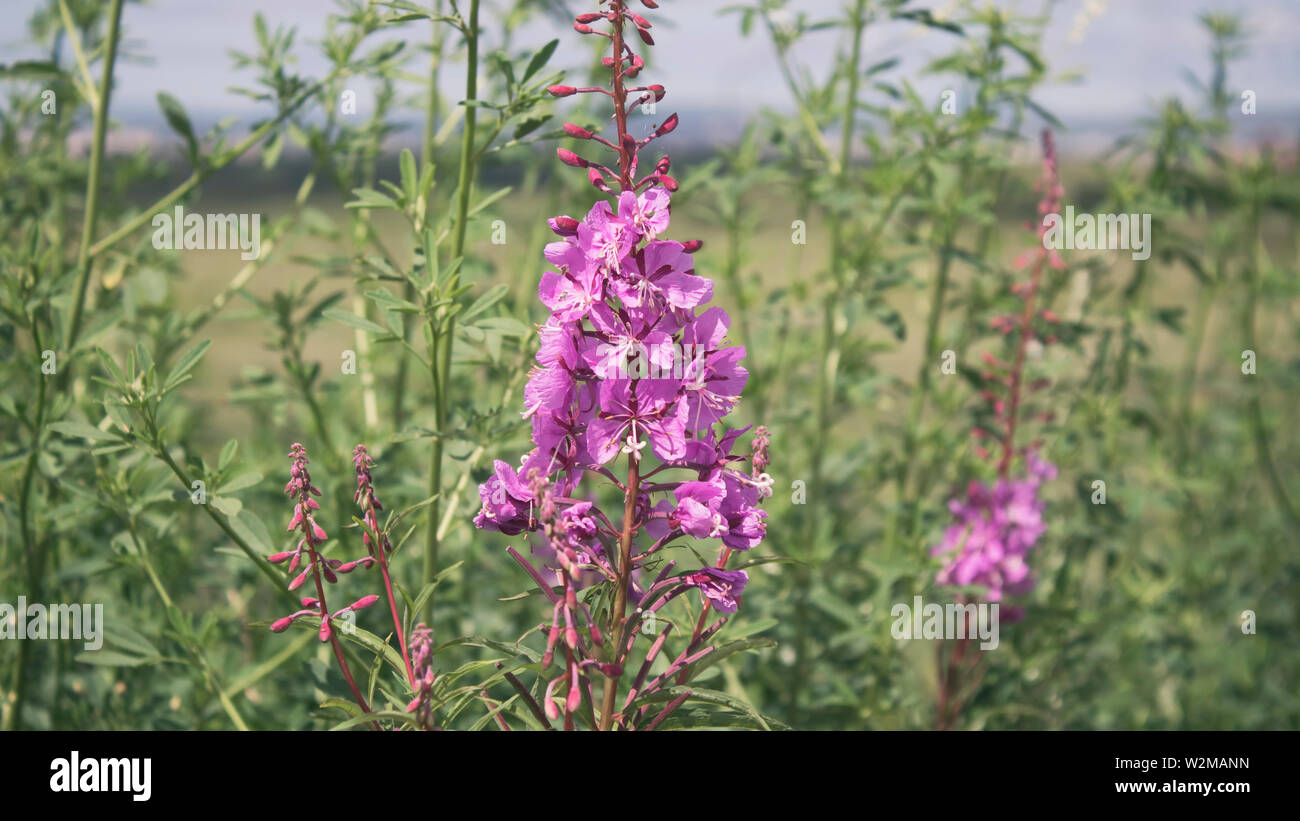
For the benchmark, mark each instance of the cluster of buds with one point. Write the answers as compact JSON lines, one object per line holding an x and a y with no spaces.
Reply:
{"x":624,"y":65}
{"x":760,"y":460}
{"x":570,"y":537}
{"x":1003,"y":380}
{"x":422,"y":648}
{"x":367,"y":501}
{"x":316,"y":567}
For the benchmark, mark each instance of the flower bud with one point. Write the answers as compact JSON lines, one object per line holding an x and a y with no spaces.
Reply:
{"x":277,"y":558}
{"x":657,"y":90}
{"x":668,"y":126}
{"x":564,"y":226}
{"x":589,"y":17}
{"x":569,"y":158}
{"x":597,"y":180}
{"x":691,"y":246}
{"x":561,"y":91}
{"x":364,"y":602}
{"x":574,"y":701}
{"x":583,"y":28}
{"x":552,"y":711}
{"x":577,"y":131}
{"x":280,"y":625}
{"x":299,"y":579}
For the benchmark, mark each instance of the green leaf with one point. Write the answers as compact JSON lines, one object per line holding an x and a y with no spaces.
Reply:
{"x":176,"y":117}
{"x":250,"y":528}
{"x":409,"y":177}
{"x":491,"y":198}
{"x":489,"y":298}
{"x":29,"y":68}
{"x":504,"y":325}
{"x":370,"y":198}
{"x":539,"y":59}
{"x":349,"y":318}
{"x":228,"y":454}
{"x":186,"y":364}
{"x":83,"y":431}
{"x":240,"y":482}
{"x":381,"y":715}
{"x":113,"y":658}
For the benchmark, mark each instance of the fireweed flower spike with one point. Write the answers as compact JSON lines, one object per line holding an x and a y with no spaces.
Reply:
{"x":995,"y":527}
{"x":423,"y":678}
{"x":632,"y":364}
{"x":370,"y":507}
{"x":318,"y":568}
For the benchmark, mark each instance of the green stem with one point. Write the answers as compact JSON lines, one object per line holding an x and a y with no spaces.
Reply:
{"x":833,"y":323}
{"x":96,"y":168}
{"x":442,"y":370}
{"x":923,"y":384}
{"x":270,"y":572}
{"x":1259,"y":431}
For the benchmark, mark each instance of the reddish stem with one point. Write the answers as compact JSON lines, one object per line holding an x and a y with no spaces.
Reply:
{"x":324,"y":614}
{"x":1026,"y":320}
{"x":626,"y":157}
{"x":379,"y":542}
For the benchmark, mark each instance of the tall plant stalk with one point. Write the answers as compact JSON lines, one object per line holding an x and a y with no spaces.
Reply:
{"x":440,"y":361}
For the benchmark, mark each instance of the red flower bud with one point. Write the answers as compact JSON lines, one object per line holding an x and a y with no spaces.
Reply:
{"x":564,"y":226}
{"x":692,"y":246}
{"x":599,"y":182}
{"x":668,"y":182}
{"x":364,"y":602}
{"x":668,"y":126}
{"x":562,"y":91}
{"x":577,"y":131}
{"x":657,"y":90}
{"x":280,"y":625}
{"x":645,"y":37}
{"x":582,"y":28}
{"x":569,"y":158}
{"x":589,"y":17}
{"x":276,"y":558}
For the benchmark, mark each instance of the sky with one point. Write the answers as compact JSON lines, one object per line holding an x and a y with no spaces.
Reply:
{"x":1131,"y":53}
